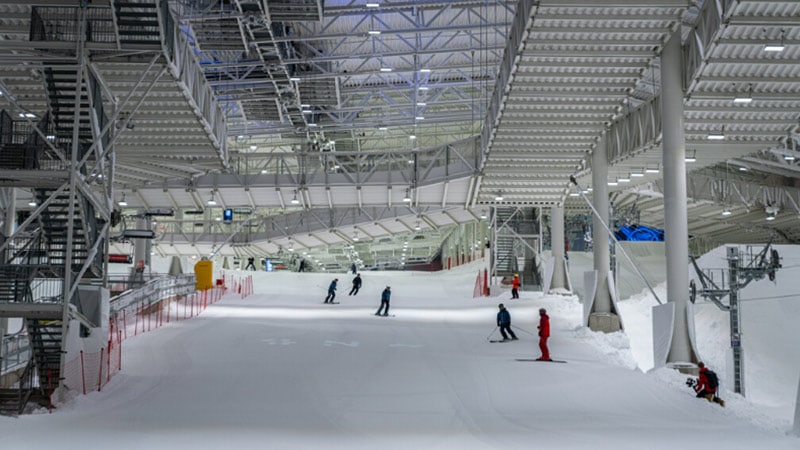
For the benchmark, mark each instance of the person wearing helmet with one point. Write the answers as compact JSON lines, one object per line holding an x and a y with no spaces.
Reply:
{"x":544,"y":333}
{"x":504,"y":322}
{"x":515,"y":286}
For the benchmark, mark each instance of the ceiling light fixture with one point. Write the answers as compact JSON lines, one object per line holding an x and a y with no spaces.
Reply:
{"x":744,"y":98}
{"x":372,"y":5}
{"x":483,"y":214}
{"x":651,"y":170}
{"x":407,"y":197}
{"x":294,"y":200}
{"x":32,"y":202}
{"x":499,"y":197}
{"x":726,"y":212}
{"x":776,"y":47}
{"x":374,"y":32}
{"x":122,"y":201}
{"x":211,"y":200}
{"x":691,"y":159}
{"x":417,"y":226}
{"x":716,"y":136}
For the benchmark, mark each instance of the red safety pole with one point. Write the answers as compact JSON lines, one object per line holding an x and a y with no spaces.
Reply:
{"x":100,"y":377}
{"x":136,"y":323}
{"x":108,"y":363}
{"x":83,"y":374}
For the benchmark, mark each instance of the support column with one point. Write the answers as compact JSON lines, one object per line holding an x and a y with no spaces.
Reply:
{"x":602,"y":299}
{"x":8,"y":230}
{"x":559,"y":280}
{"x":676,"y":229}
{"x":140,"y":245}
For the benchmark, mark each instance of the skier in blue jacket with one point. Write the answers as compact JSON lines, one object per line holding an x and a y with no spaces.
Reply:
{"x":387,"y":293}
{"x":504,"y":322}
{"x":331,"y":291}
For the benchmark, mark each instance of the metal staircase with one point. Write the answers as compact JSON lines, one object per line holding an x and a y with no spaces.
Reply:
{"x":516,"y":230}
{"x":137,"y":22}
{"x":55,"y":221}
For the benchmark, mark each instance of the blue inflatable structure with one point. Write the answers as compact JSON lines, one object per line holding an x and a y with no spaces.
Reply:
{"x":639,"y":233}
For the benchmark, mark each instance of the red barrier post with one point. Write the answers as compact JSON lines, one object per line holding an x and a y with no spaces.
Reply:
{"x":83,"y":374}
{"x":100,"y":376}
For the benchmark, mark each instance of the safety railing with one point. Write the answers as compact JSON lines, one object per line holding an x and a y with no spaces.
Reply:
{"x":62,"y":24}
{"x":153,"y":291}
{"x":15,"y":352}
{"x":186,"y":69}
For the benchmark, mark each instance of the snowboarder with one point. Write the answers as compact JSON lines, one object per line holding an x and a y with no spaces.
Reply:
{"x":504,"y":322}
{"x":353,"y":268}
{"x":515,"y":286}
{"x":707,"y":384}
{"x":387,"y":293}
{"x":544,"y":333}
{"x":331,"y":291}
{"x":302,"y":267}
{"x":251,"y":264}
{"x":356,"y":285}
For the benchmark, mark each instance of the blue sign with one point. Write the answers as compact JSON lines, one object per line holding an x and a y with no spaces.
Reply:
{"x":227,"y":216}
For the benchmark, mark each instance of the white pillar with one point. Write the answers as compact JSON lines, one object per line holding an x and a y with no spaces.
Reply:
{"x":602,"y":264}
{"x":140,"y":245}
{"x":676,"y":230}
{"x":559,"y":280}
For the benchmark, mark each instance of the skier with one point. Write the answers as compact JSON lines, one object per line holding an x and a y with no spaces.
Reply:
{"x":515,"y":286}
{"x":387,"y":293}
{"x":356,"y":285}
{"x":504,"y":322}
{"x":331,"y":291}
{"x":353,"y":268}
{"x":544,"y":333}
{"x":302,"y":267}
{"x":250,"y":264}
{"x":707,"y":384}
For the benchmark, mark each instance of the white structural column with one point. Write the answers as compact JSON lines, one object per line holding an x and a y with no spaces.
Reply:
{"x":676,"y":229}
{"x":557,"y":237}
{"x":602,"y":299}
{"x":140,"y":245}
{"x":8,"y":230}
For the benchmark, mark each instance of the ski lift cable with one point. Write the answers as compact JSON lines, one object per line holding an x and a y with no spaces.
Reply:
{"x":610,"y":233}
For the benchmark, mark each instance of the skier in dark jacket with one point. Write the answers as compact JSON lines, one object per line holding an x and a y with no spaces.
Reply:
{"x":704,"y":388}
{"x":356,"y":285}
{"x":387,"y":293}
{"x":544,"y":333}
{"x":331,"y":291}
{"x":504,"y":322}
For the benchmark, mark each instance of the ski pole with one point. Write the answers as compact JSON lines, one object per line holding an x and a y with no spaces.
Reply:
{"x":523,"y":329}
{"x":490,"y":334}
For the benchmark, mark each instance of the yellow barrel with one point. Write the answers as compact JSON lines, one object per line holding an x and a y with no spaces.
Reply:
{"x":203,"y":272}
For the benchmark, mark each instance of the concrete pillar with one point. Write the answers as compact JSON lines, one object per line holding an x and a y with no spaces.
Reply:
{"x":676,"y":230}
{"x":602,"y":299}
{"x":8,"y":230}
{"x":559,"y":280}
{"x":140,"y":245}
{"x":175,"y":266}
{"x":11,"y":212}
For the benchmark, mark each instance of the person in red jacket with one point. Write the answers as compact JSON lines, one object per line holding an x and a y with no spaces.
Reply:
{"x":544,"y":333}
{"x":515,"y":286}
{"x":705,"y":388}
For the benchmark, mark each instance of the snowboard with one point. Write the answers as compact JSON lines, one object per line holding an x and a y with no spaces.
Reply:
{"x":537,"y":360}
